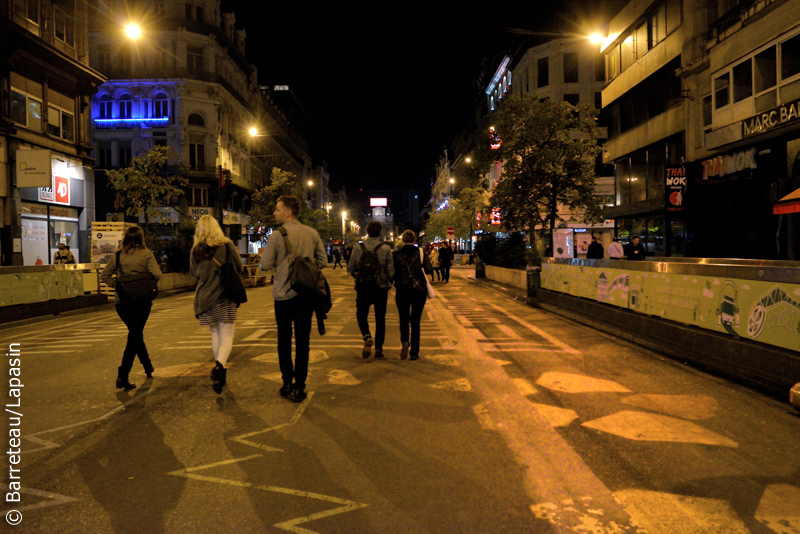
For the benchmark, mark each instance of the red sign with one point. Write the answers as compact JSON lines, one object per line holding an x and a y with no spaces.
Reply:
{"x":62,"y":189}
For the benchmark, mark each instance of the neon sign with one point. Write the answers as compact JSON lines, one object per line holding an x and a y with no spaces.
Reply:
{"x":494,"y":139}
{"x":157,"y":121}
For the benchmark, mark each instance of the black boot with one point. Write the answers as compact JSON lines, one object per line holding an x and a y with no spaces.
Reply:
{"x":218,"y":378}
{"x":122,"y":380}
{"x":298,"y":393}
{"x":148,"y":369}
{"x":286,"y":389}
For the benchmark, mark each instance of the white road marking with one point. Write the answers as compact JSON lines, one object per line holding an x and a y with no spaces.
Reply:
{"x":54,"y":499}
{"x":483,"y":417}
{"x":292,"y":421}
{"x":524,"y":387}
{"x":508,"y":332}
{"x":552,"y":339}
{"x":256,"y":336}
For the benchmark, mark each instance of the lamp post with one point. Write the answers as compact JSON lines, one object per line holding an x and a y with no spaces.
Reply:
{"x":452,"y":185}
{"x":344,"y":216}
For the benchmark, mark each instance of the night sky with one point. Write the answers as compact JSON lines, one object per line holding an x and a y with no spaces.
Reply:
{"x":387,"y":85}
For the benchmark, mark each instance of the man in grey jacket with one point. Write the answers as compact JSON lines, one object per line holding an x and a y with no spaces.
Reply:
{"x":372,"y":285}
{"x":292,"y":309}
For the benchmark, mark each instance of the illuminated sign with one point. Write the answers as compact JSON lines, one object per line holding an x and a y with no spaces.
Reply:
{"x":496,"y":218}
{"x":730,"y":164}
{"x":378,"y":202}
{"x":34,"y":168}
{"x":494,"y":139}
{"x":771,"y":119}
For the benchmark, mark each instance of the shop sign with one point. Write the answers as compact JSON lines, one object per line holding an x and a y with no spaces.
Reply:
{"x":58,"y":211}
{"x":729,"y":164}
{"x":675,"y":181}
{"x":769,"y":120}
{"x":231,"y":217}
{"x":496,"y":217}
{"x":34,"y":168}
{"x":195,"y":212}
{"x":564,"y":243}
{"x":57,"y":192}
{"x":36,"y":210}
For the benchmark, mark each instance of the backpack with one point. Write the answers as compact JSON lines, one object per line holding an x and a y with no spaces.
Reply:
{"x":370,"y":272}
{"x":304,"y":274}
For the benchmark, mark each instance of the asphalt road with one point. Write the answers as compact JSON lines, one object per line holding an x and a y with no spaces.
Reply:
{"x":513,"y":420}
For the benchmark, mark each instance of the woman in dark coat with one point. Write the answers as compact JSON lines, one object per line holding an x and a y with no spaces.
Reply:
{"x":134,"y":258}
{"x":211,"y":250}
{"x":409,"y":263}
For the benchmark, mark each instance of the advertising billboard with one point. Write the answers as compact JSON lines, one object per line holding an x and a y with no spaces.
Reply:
{"x":378,"y":202}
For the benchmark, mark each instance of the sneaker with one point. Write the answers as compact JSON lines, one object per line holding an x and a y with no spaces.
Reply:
{"x":298,"y":395}
{"x":404,"y":350}
{"x":286,"y":389}
{"x":367,"y":347}
{"x":378,"y":354}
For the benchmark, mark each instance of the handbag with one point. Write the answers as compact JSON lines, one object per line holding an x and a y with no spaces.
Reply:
{"x":232,"y":282}
{"x":431,"y":292}
{"x":414,"y":282}
{"x":135,"y":288}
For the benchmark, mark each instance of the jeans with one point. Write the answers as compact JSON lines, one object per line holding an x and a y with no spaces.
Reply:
{"x":445,"y":267}
{"x":372,"y":297}
{"x":135,"y":317}
{"x":410,"y":304}
{"x":296,"y":311}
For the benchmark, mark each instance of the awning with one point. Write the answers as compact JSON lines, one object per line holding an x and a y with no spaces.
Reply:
{"x":788,"y":204}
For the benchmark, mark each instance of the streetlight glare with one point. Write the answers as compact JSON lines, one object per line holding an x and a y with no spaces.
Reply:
{"x":133,"y":31}
{"x":452,"y":180}
{"x":310,"y":183}
{"x":469,"y":160}
{"x":253,"y":132}
{"x":596,"y":38}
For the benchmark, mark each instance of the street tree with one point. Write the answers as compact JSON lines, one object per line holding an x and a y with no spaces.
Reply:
{"x":548,"y":152}
{"x":265,"y":199}
{"x":147,"y":184}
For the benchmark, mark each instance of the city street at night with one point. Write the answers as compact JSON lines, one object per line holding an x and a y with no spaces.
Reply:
{"x":512,"y":420}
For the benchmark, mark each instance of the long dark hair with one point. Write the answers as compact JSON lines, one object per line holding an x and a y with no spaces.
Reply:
{"x":134,"y":238}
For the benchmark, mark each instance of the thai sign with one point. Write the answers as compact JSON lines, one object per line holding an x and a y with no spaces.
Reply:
{"x":771,"y":119}
{"x":766,"y":312}
{"x":721,"y":166}
{"x":675,"y":181}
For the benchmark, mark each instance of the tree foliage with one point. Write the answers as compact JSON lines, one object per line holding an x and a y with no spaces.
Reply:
{"x":266,"y":199}
{"x":460,"y":215}
{"x":147,"y":184}
{"x":548,"y":152}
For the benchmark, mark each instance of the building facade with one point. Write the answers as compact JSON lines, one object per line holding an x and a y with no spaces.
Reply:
{"x":46,"y":186}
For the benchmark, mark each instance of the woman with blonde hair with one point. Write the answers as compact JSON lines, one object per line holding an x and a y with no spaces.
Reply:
{"x":133,"y":258}
{"x":211,"y":251}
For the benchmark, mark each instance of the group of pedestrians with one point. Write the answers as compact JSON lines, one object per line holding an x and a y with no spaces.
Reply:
{"x":441,"y":261}
{"x":633,"y":251}
{"x":373,"y":264}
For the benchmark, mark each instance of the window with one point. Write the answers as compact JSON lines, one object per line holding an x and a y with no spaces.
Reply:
{"x":642,"y":42}
{"x":125,"y":107}
{"x":124,"y":61}
{"x":197,"y":157}
{"x":194,"y":59}
{"x":160,"y":106}
{"x":158,"y":8}
{"x":64,"y":27}
{"x":613,"y":62}
{"x":707,"y":111}
{"x":124,"y":153}
{"x":104,"y":107}
{"x":626,"y":51}
{"x":28,"y":9}
{"x":543,"y":74}
{"x":196,"y":120}
{"x":673,"y":15}
{"x":198,"y":13}
{"x":766,"y":69}
{"x":790,"y":57}
{"x":26,"y":110}
{"x":658,"y":25}
{"x":160,"y":58}
{"x":599,"y":68}
{"x":572,"y":98}
{"x":160,"y":142}
{"x":103,"y":58}
{"x":60,"y":123}
{"x":103,"y":156}
{"x":721,"y":92}
{"x":188,"y":11}
{"x":743,"y":80}
{"x":199,"y":196}
{"x":570,"y":67}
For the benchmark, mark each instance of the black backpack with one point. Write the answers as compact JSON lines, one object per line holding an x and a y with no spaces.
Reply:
{"x":370,"y":273}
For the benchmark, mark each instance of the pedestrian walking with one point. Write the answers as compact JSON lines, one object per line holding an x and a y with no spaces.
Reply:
{"x":292,"y":311}
{"x":635,"y":250}
{"x":212,"y":305}
{"x":63,"y":255}
{"x":337,"y":257}
{"x":446,"y":260}
{"x":410,"y":266}
{"x":346,"y":253}
{"x":595,"y":250}
{"x":615,"y":250}
{"x":437,"y":271}
{"x":132,"y":258}
{"x":373,"y":268}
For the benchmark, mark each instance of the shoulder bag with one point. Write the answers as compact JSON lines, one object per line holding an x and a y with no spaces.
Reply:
{"x":135,"y":288}
{"x":231,"y":281}
{"x":431,"y":292}
{"x":305,"y":276}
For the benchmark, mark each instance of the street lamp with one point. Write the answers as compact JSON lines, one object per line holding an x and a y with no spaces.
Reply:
{"x":133,"y":31}
{"x":344,"y":216}
{"x":328,"y":208}
{"x":452,"y":184}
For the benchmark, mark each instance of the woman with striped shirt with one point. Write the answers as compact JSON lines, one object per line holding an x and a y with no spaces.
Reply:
{"x":212,"y":250}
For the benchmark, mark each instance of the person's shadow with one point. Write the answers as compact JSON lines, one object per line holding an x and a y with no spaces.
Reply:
{"x":126,"y":472}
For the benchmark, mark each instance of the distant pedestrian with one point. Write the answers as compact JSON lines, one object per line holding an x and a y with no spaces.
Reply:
{"x":410,"y":266}
{"x":595,"y":250}
{"x":63,"y":255}
{"x":346,"y":255}
{"x":292,"y":311}
{"x":134,"y":258}
{"x":446,"y":260}
{"x":615,"y":250}
{"x":635,"y":250}
{"x":373,"y":268}
{"x":437,"y":272}
{"x":212,"y":306}
{"x":337,"y":258}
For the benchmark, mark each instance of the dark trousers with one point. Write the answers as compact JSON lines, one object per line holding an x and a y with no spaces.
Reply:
{"x":445,"y":267}
{"x":372,"y":297}
{"x":338,"y":262}
{"x":295,"y":312}
{"x":135,"y":317}
{"x":410,"y":304}
{"x":437,"y":271}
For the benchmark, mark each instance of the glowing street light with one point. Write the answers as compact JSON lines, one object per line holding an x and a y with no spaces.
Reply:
{"x":253,"y":132}
{"x":344,"y":216}
{"x":133,"y":31}
{"x":469,"y":160}
{"x":310,"y":183}
{"x":596,"y":38}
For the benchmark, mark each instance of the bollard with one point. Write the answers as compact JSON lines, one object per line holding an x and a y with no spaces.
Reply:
{"x":534,"y":280}
{"x":794,"y":396}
